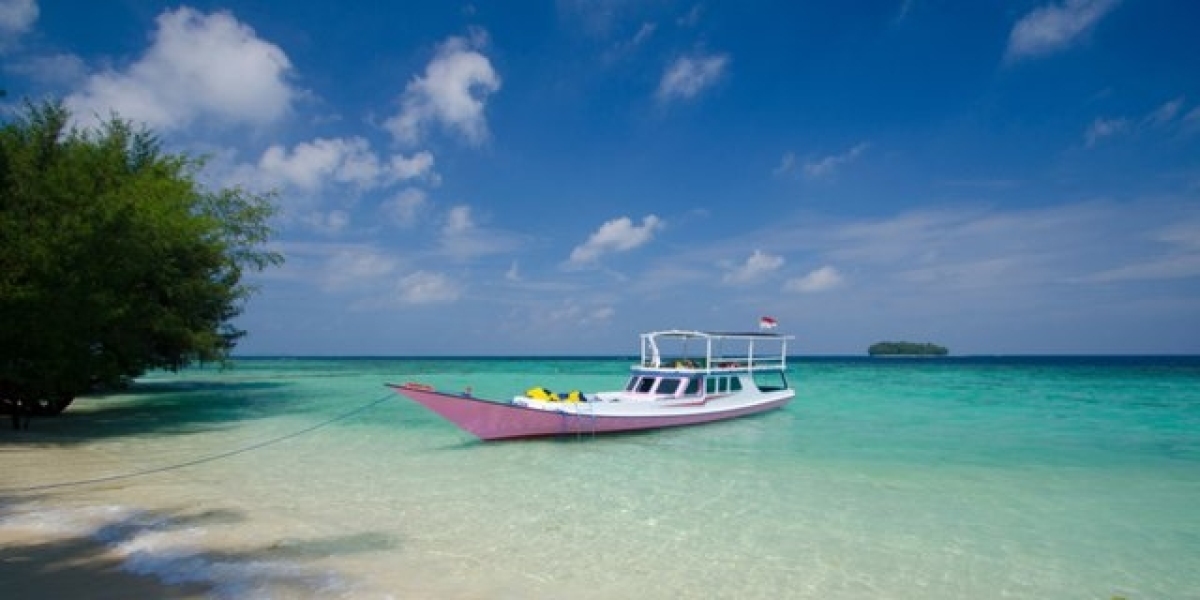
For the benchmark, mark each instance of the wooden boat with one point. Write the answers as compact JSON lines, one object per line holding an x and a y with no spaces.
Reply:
{"x":684,"y":377}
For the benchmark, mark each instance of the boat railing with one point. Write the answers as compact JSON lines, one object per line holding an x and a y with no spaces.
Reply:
{"x":719,"y":363}
{"x":749,"y":363}
{"x":711,"y":352}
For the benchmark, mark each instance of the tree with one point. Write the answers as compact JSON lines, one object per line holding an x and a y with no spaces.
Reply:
{"x":113,"y":259}
{"x":906,"y":349}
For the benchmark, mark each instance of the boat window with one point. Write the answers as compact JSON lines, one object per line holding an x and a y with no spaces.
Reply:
{"x":735,"y":384}
{"x":667,"y":386}
{"x":693,"y":387}
{"x":632,"y":382}
{"x":710,"y":386}
{"x":645,"y":385}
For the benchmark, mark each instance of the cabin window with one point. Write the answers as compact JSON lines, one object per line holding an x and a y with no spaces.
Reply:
{"x":717,"y":385}
{"x":710,"y":385}
{"x":667,"y":386}
{"x":632,"y":382}
{"x":735,"y":384}
{"x":645,"y":385}
{"x":693,"y":387}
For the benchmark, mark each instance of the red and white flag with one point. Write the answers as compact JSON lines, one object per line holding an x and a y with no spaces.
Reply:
{"x":767,"y":323}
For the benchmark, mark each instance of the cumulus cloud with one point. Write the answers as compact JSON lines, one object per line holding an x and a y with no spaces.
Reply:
{"x":16,"y":19}
{"x":452,"y":93}
{"x":689,"y":75}
{"x":403,"y":208}
{"x":617,"y":235}
{"x":458,"y":221}
{"x":826,"y":166}
{"x":820,"y":280}
{"x":423,"y":287}
{"x":758,"y":265}
{"x":1054,"y":27}
{"x":310,"y":165}
{"x":198,"y":67}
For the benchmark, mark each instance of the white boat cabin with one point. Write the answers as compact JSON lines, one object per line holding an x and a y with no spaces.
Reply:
{"x":683,"y":364}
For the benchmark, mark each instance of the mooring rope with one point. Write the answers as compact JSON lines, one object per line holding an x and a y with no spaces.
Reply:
{"x":202,"y":460}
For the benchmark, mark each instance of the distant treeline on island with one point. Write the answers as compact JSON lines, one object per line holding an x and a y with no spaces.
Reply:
{"x":906,"y":349}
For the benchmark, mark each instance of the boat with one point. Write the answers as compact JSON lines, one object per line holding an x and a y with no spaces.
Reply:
{"x":683,"y":377}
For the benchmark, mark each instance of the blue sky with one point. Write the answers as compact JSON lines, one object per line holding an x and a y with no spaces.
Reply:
{"x":1001,"y":177}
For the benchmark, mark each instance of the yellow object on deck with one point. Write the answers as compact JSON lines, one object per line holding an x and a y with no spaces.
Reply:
{"x":541,"y":393}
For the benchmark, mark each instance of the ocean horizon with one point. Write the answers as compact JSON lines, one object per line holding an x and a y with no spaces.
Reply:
{"x":899,"y":477}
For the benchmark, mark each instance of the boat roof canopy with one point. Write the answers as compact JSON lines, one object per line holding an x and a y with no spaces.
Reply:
{"x":692,"y":333}
{"x":742,"y":353}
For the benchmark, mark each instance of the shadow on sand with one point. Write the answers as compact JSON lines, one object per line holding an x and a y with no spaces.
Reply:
{"x":144,"y":554}
{"x":152,"y":408}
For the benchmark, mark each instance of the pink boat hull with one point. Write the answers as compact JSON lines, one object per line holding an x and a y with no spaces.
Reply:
{"x":489,"y":420}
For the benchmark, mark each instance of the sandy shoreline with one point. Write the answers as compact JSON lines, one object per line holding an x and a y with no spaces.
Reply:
{"x":96,"y":518}
{"x":41,"y":559}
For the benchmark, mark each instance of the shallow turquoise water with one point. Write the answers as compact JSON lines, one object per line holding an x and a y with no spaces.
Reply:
{"x":947,"y":478}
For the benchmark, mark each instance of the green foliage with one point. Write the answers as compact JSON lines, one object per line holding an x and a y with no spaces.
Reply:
{"x":906,"y":349}
{"x":113,"y":259}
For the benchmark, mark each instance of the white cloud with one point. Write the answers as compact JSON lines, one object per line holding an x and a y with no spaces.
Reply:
{"x":1165,"y":114}
{"x":1053,"y":27}
{"x":626,"y":48}
{"x":458,"y":221}
{"x":328,"y":223}
{"x":1165,"y":117}
{"x":1178,"y":257}
{"x":198,"y":67}
{"x":644,"y":33}
{"x":411,"y":167}
{"x":355,"y":267}
{"x":824,"y":167}
{"x":579,"y":314}
{"x":1192,"y":118}
{"x":452,"y":93}
{"x":1102,"y":128}
{"x":1162,"y":268}
{"x":787,"y":164}
{"x":403,"y":208}
{"x":309,"y":166}
{"x":757,"y":266}
{"x":462,"y":238}
{"x":689,"y":75}
{"x":16,"y":19}
{"x":617,"y":235}
{"x":820,"y":280}
{"x":423,"y":287}
{"x":996,"y":256}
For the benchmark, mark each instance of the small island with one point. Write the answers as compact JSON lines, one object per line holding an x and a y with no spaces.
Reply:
{"x":906,"y":349}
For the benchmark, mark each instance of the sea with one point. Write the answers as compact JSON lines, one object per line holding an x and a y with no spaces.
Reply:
{"x":898,"y":478}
